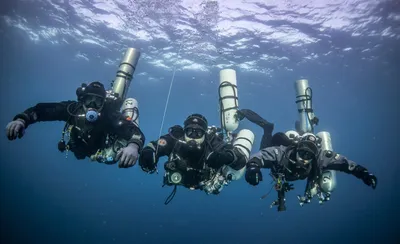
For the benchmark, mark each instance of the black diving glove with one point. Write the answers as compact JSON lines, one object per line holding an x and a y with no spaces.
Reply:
{"x":218,"y":159}
{"x":147,"y":159}
{"x":370,"y":180}
{"x":253,"y":173}
{"x":15,"y":129}
{"x":286,"y":187}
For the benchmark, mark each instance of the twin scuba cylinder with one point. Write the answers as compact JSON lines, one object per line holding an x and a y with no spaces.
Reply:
{"x":243,"y":141}
{"x":307,"y":121}
{"x":228,"y":105}
{"x":307,"y":118}
{"x":228,"y":102}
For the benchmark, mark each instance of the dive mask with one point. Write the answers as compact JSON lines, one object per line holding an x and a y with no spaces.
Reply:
{"x":93,"y":101}
{"x":92,"y":104}
{"x":194,"y":133}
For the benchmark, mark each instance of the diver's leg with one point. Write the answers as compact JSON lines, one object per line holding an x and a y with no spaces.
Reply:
{"x":258,"y":120}
{"x":255,"y":118}
{"x":266,"y":140}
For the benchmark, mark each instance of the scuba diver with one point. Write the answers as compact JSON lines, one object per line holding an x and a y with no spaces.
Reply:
{"x":304,"y":159}
{"x":197,"y":155}
{"x":92,"y":124}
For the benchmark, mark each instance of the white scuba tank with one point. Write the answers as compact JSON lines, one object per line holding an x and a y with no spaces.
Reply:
{"x":130,"y":109}
{"x":303,"y":101}
{"x":328,"y":180}
{"x":244,"y":142}
{"x":228,"y":99}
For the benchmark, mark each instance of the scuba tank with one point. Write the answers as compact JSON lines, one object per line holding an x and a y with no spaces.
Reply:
{"x":327,"y":181}
{"x":228,"y":101}
{"x":130,"y":111}
{"x":307,"y":118}
{"x":244,"y":143}
{"x":128,"y":107}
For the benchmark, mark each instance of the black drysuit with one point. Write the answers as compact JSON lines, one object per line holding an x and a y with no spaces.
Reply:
{"x":278,"y":160}
{"x":86,"y":138}
{"x":194,"y":164}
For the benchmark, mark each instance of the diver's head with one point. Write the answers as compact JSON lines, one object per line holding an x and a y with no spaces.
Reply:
{"x":92,"y":97}
{"x":195,"y":127}
{"x":306,"y":151}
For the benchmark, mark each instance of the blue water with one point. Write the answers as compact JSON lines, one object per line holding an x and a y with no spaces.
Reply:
{"x":348,"y":50}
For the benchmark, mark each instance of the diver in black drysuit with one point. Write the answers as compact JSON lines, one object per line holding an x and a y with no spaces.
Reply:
{"x":194,"y":153}
{"x":91,"y":122}
{"x":291,"y":161}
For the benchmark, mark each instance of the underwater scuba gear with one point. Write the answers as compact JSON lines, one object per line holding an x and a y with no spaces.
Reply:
{"x":147,"y":159}
{"x":306,"y":151}
{"x":92,"y":97}
{"x":92,"y":115}
{"x":253,"y":174}
{"x":15,"y":128}
{"x":214,"y":185}
{"x":126,"y":69}
{"x":94,"y":88}
{"x":179,"y":172}
{"x":130,"y":110}
{"x":327,"y":181}
{"x":93,"y":101}
{"x":324,"y":184}
{"x":217,"y":159}
{"x":175,"y":178}
{"x":307,"y":118}
{"x":243,"y":143}
{"x":281,"y":187}
{"x":195,"y":127}
{"x":194,"y":133}
{"x":370,"y":180}
{"x":228,"y":101}
{"x":292,"y":135}
{"x":196,"y":121}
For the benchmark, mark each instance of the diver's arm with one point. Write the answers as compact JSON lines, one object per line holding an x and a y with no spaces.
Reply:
{"x":132,"y":133}
{"x":267,"y":157}
{"x":225,"y":154}
{"x":335,"y":161}
{"x":163,"y":146}
{"x":150,"y":154}
{"x":47,"y":112}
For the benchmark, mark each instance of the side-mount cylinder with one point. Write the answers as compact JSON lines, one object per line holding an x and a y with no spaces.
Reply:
{"x":327,"y":181}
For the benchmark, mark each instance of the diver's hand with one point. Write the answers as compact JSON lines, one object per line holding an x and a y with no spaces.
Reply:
{"x":370,"y":180}
{"x":147,"y":159}
{"x":253,"y":174}
{"x":287,"y":187}
{"x":127,"y":156}
{"x":218,"y":159}
{"x":15,"y":129}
